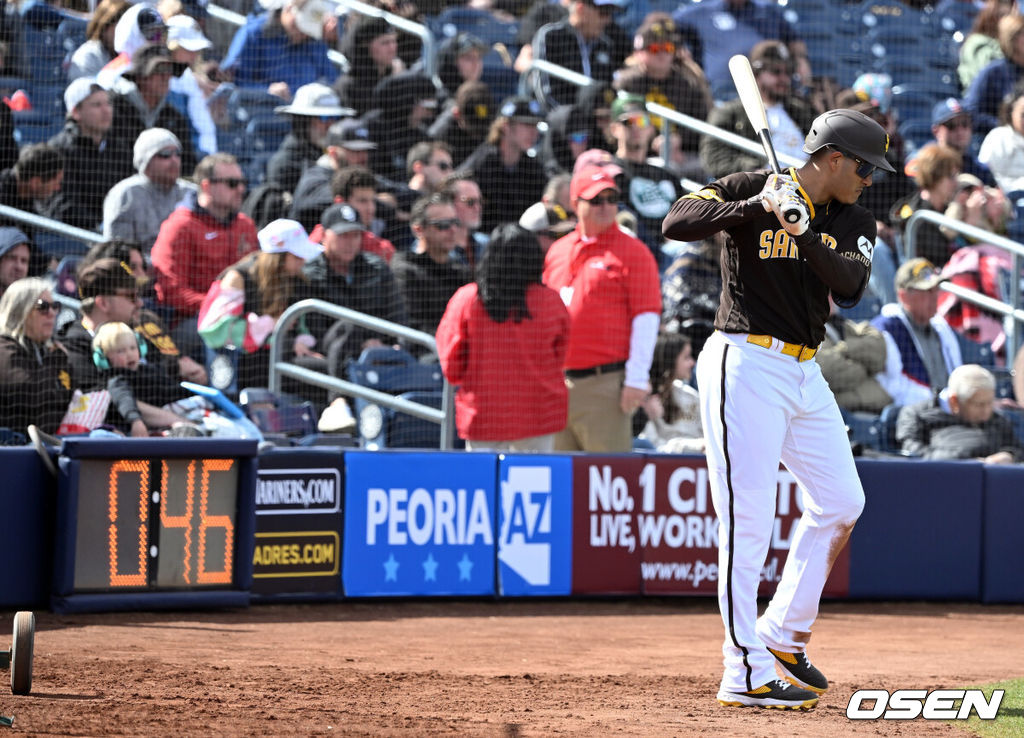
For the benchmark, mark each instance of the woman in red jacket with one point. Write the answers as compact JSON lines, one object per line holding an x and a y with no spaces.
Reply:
{"x":502,"y":340}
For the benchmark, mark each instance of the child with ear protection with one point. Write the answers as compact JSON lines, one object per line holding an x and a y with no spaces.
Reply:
{"x":120,"y":353}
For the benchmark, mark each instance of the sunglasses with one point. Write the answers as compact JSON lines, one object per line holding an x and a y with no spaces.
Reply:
{"x":232,"y":182}
{"x":471,"y":202}
{"x":656,"y":48}
{"x":610,"y":198}
{"x":167,"y":154}
{"x":443,"y":225}
{"x":43,"y":306}
{"x":957,"y":124}
{"x":635,"y":120}
{"x":864,"y":169}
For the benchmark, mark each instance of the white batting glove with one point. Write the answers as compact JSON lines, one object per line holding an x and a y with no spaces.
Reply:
{"x":775,"y":188}
{"x":793,"y":213}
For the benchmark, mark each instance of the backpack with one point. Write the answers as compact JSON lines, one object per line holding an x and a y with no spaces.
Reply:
{"x":267,"y":202}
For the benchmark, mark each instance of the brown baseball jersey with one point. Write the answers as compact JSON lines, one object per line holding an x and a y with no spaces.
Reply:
{"x":774,"y":283}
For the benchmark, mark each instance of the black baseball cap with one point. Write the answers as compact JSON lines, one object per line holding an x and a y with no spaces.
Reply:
{"x":341,"y":218}
{"x":355,"y":135}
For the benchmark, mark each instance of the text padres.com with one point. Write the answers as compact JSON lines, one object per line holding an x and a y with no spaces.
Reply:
{"x":908,"y":704}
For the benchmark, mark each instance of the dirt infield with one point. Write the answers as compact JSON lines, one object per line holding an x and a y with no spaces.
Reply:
{"x":628,"y":668}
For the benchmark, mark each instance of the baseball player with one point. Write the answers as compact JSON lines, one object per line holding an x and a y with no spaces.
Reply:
{"x":763,"y":398}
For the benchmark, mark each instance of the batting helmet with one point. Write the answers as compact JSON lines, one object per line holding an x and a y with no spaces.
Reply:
{"x":850,"y":132}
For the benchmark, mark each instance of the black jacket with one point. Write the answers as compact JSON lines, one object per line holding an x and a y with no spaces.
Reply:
{"x":720,"y":158}
{"x":89,"y":173}
{"x":35,"y":385}
{"x":371,"y":289}
{"x":293,"y":157}
{"x":507,"y":192}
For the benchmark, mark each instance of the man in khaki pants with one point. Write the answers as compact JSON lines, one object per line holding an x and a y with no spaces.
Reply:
{"x":609,"y":282}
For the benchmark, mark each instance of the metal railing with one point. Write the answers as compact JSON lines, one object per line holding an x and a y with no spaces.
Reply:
{"x":1007,"y":310}
{"x":429,"y":55}
{"x":280,"y":368}
{"x":529,"y":85}
{"x":48,"y":224}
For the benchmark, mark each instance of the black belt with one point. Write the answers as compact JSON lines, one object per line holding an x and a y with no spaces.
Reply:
{"x":591,"y":371}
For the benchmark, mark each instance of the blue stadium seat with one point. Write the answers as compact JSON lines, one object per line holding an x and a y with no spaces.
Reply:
{"x":396,"y":372}
{"x":864,"y":428}
{"x":46,"y":55}
{"x":278,"y":415}
{"x":481,"y":23}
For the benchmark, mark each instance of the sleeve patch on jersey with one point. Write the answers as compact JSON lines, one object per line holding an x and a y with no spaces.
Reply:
{"x":866,"y":247}
{"x":705,"y":194}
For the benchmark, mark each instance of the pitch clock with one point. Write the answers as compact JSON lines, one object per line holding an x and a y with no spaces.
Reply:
{"x":154,"y":524}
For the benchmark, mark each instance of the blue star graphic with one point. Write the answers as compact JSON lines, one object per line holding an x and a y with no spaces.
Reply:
{"x":465,"y":568}
{"x":430,"y":569}
{"x":391,"y":569}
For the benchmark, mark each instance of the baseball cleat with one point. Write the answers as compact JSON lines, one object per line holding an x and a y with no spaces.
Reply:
{"x":798,"y":670}
{"x":776,"y":694}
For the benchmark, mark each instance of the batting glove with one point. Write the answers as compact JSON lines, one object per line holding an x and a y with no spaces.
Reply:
{"x":775,"y":187}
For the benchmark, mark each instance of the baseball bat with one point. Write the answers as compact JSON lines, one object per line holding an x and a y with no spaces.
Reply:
{"x":753,"y":106}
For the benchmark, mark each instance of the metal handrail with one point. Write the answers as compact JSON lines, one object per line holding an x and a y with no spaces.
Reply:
{"x":280,"y":368}
{"x":49,"y":224}
{"x":428,"y":50}
{"x":1013,"y":330}
{"x":237,"y":19}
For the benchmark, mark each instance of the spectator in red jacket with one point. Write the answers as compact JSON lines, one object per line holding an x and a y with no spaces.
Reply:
{"x":199,"y":240}
{"x":507,"y":318}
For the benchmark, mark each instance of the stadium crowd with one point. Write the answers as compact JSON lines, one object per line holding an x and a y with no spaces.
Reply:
{"x":312,"y":152}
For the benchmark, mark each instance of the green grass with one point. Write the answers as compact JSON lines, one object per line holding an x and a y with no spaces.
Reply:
{"x":1010,"y":721}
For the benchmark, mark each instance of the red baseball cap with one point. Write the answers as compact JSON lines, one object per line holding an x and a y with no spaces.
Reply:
{"x":590,"y":182}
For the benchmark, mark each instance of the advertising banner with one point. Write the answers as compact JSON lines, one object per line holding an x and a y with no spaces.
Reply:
{"x":648,"y":525}
{"x":534,"y":525}
{"x":297,"y":549}
{"x":419,"y":524}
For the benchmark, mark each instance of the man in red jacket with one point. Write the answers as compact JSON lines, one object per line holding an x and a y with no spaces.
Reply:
{"x":202,"y":237}
{"x":609,"y":282}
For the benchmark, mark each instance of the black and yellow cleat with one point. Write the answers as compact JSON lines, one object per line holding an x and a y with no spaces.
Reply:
{"x":798,"y":670}
{"x":776,"y":694}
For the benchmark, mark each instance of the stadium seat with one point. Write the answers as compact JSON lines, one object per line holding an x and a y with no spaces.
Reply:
{"x":65,"y":276}
{"x":864,"y":428}
{"x":279,"y":416}
{"x":481,"y":23}
{"x":399,"y":373}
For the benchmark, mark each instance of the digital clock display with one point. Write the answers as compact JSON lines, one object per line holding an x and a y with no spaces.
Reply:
{"x":166,"y":523}
{"x":154,"y":523}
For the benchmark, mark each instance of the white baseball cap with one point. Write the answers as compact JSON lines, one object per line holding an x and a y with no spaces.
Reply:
{"x":184,"y":31}
{"x":79,"y":90}
{"x":287,"y":236}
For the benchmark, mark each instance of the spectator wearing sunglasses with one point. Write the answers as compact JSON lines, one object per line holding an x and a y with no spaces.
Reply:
{"x":953,"y":126}
{"x":608,"y":280}
{"x":662,"y":71}
{"x":649,"y":190}
{"x":428,"y":275}
{"x":35,"y":377}
{"x":426,"y":166}
{"x":109,"y":292}
{"x":200,"y":239}
{"x":789,"y":116}
{"x":510,"y":178}
{"x":136,"y":207}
